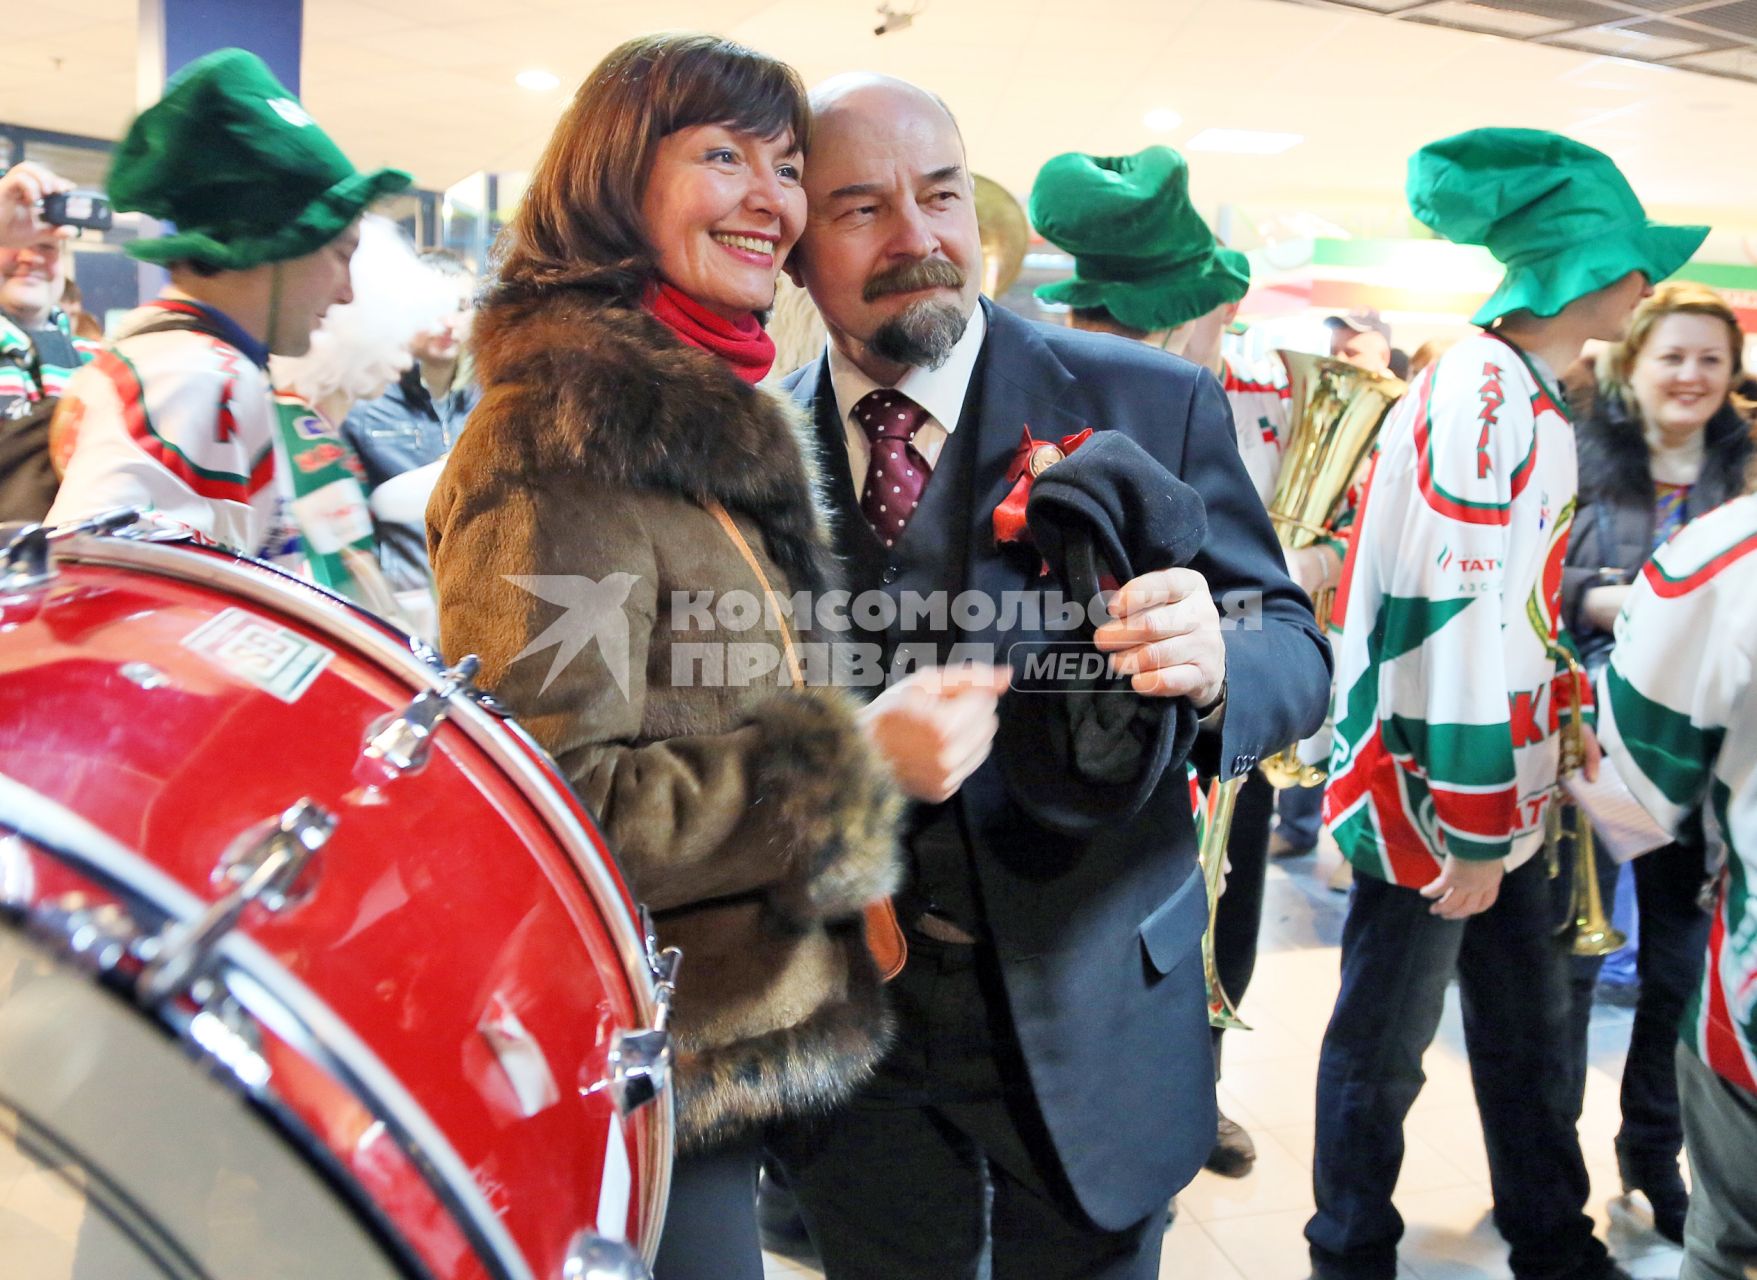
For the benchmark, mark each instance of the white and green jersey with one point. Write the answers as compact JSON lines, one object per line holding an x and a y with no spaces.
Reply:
{"x":180,"y":424}
{"x":1678,"y":715}
{"x":1446,"y":704}
{"x":1259,"y":414}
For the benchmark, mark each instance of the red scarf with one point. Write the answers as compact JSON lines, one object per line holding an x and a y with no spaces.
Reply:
{"x":740,"y":343}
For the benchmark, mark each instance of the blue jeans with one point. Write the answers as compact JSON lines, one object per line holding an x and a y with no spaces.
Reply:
{"x":1512,"y":979}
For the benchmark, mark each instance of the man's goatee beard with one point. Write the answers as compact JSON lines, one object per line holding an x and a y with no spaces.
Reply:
{"x":921,"y":335}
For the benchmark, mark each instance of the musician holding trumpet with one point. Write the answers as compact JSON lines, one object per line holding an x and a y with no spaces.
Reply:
{"x":1452,"y":684}
{"x":1148,"y":268}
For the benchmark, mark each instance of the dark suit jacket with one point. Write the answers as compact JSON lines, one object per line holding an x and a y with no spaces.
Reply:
{"x":1099,"y":938}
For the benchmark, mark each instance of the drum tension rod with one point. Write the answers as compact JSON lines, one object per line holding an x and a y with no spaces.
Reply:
{"x":24,"y":555}
{"x":269,"y":869}
{"x":402,"y":743}
{"x":640,"y":1061}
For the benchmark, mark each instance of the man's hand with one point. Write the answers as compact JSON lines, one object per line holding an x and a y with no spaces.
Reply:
{"x":20,"y":224}
{"x":1464,"y":887}
{"x":1165,"y":634}
{"x":1601,"y":605}
{"x":1314,"y":568}
{"x":935,"y":728}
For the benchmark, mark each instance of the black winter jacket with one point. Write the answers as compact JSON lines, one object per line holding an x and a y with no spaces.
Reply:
{"x":1613,"y":529}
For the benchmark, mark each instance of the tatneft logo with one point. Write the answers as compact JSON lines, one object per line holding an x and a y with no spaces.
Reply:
{"x":732,"y":639}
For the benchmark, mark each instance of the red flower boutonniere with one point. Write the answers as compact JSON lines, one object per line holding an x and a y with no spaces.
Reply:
{"x":1030,"y":460}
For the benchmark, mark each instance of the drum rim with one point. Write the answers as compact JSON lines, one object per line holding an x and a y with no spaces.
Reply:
{"x":305,"y":1021}
{"x":504,"y":741}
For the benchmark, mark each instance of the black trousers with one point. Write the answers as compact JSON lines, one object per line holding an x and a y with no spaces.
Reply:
{"x":710,"y":1223}
{"x":1669,"y":957}
{"x":943,"y":1159}
{"x":1240,"y":916}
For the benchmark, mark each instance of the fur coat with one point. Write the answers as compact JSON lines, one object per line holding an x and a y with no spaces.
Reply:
{"x":753,"y":819}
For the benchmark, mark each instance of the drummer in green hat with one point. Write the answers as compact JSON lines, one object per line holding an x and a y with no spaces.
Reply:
{"x":178,"y":418}
{"x":1453,"y":692}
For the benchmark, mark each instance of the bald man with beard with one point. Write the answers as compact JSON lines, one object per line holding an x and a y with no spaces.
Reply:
{"x":1051,"y":1084}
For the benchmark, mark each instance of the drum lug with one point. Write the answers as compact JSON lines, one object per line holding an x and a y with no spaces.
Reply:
{"x":97,"y":936}
{"x":273,"y":867}
{"x":402,"y":743}
{"x":228,"y":1035}
{"x":592,"y":1257}
{"x":640,"y":1061}
{"x":24,"y":554}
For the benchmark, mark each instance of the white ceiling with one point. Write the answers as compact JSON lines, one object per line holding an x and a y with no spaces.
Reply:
{"x":428,"y":85}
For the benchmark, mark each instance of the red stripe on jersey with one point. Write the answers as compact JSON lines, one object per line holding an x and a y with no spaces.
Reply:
{"x":1350,"y":537}
{"x":1720,"y":1043}
{"x":1440,"y":501}
{"x":134,"y":420}
{"x":1485,"y":815}
{"x":1374,"y":776}
{"x":1671,"y":588}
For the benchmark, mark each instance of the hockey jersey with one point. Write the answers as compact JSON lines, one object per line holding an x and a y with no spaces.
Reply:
{"x":1678,"y":716}
{"x":179,"y":423}
{"x":1259,"y":414}
{"x":1446,"y":701}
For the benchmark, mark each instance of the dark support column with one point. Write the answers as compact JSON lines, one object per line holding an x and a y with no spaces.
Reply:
{"x":174,"y":33}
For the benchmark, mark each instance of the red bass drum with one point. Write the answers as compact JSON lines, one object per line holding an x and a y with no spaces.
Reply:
{"x":310,"y":963}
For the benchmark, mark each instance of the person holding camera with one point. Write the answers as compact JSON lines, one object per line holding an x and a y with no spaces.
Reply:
{"x":38,"y":351}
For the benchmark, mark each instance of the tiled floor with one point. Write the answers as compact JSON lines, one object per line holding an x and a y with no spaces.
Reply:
{"x":1250,"y":1228}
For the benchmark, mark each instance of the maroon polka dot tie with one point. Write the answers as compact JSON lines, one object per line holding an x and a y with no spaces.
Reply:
{"x":897,"y":473}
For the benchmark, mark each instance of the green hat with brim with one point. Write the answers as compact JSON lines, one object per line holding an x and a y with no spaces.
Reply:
{"x":1556,"y":213}
{"x":1140,"y":249}
{"x":237,"y":164}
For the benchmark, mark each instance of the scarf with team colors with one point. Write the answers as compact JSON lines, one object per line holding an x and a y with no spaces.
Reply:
{"x":1679,"y":718}
{"x":1447,"y":700}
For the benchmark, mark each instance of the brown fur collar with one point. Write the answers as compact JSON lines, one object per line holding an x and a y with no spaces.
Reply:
{"x":572,"y":382}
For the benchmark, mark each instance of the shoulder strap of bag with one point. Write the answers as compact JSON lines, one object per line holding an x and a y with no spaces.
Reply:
{"x":884,"y":935}
{"x":788,"y":651}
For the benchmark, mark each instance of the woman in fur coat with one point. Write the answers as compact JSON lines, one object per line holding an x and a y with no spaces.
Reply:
{"x":1666,"y":442}
{"x":624,"y":466}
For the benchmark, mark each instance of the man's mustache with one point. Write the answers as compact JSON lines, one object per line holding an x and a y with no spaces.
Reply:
{"x":931,"y":273}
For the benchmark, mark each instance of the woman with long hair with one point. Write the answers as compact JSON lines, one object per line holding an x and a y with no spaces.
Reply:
{"x":1667,"y":441}
{"x":612,"y":535}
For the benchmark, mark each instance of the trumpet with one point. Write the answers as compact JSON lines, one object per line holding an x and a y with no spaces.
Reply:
{"x":1216,"y":822}
{"x":1337,"y":410}
{"x":1593,"y":933}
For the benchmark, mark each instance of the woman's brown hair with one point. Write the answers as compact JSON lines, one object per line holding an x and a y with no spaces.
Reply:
{"x":1674,"y":297}
{"x":580,"y":220}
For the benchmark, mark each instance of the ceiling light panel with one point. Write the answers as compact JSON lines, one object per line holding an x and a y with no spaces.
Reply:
{"x":1628,"y":43}
{"x":1482,"y":17}
{"x":1738,"y":20}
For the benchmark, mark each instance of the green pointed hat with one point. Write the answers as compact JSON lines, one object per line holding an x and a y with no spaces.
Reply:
{"x":1140,"y":249}
{"x":1557,"y":214}
{"x":233,"y":159}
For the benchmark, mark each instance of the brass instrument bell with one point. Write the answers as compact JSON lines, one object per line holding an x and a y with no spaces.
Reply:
{"x":1004,"y":231}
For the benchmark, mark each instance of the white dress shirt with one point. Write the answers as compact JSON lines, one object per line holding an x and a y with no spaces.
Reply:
{"x":940,"y":391}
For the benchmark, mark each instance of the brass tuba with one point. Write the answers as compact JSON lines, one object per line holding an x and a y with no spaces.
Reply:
{"x":1336,"y":413}
{"x":1005,"y":233}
